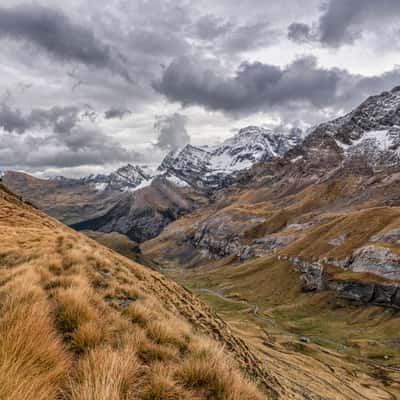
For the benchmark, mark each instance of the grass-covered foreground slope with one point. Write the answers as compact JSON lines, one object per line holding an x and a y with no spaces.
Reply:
{"x":78,"y":321}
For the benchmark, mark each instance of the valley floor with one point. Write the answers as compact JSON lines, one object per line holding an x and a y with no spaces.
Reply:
{"x":315,"y":346}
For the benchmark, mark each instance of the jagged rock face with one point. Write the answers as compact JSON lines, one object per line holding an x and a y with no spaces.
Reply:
{"x":362,"y":292}
{"x":371,"y":131}
{"x":264,"y":246}
{"x":126,"y":178}
{"x":312,"y":274}
{"x":220,"y":236}
{"x":212,"y":167}
{"x":315,"y":278}
{"x":377,"y":260}
{"x":368,"y":292}
{"x":143,"y":214}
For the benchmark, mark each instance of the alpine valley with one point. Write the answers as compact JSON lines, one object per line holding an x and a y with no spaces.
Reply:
{"x":292,"y":238}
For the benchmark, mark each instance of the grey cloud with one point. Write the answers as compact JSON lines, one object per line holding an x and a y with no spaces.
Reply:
{"x":58,"y":119}
{"x":64,"y":141}
{"x":342,"y":22}
{"x":209,"y":27}
{"x":162,"y":42}
{"x":77,"y":147}
{"x":54,"y":32}
{"x":250,"y":37}
{"x":119,"y":113}
{"x":229,"y":37}
{"x":172,"y":132}
{"x":264,"y":87}
{"x":300,"y":33}
{"x":13,"y":120}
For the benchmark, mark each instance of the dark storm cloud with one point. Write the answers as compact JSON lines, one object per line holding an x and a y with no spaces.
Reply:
{"x":13,"y":120}
{"x":172,"y":132}
{"x":119,"y":113}
{"x":263,"y":87}
{"x":65,"y":142}
{"x":342,"y":22}
{"x":80,"y":148}
{"x":58,"y":119}
{"x":62,"y":38}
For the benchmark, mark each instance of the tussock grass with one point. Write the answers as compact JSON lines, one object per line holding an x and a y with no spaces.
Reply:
{"x":172,"y":332}
{"x":89,"y":335}
{"x":79,"y":322}
{"x":72,"y":310}
{"x":161,"y":385}
{"x":105,"y":374}
{"x":33,"y":363}
{"x":208,"y":370}
{"x":137,"y":313}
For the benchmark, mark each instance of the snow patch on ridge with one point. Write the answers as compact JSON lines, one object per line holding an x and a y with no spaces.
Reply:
{"x":209,"y":166}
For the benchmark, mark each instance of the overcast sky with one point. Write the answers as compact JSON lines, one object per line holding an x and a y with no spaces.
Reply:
{"x":88,"y":85}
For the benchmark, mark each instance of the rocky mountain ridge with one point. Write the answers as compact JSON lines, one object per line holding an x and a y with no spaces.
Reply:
{"x":371,"y":133}
{"x":213,"y":167}
{"x":127,"y":178}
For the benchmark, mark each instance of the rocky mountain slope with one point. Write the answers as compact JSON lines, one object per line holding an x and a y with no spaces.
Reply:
{"x":69,"y":200}
{"x":79,"y":321}
{"x":143,"y":214}
{"x":128,"y":201}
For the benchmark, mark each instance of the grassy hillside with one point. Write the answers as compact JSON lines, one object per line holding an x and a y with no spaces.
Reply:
{"x":78,"y":321}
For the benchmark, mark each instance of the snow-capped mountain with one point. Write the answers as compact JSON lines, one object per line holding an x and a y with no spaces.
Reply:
{"x":127,"y":178}
{"x":209,"y":167}
{"x":372,"y":130}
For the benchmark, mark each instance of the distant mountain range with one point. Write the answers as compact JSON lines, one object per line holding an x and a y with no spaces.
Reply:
{"x":140,"y":202}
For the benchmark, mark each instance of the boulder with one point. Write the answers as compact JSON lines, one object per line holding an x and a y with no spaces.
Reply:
{"x":384,"y":294}
{"x":356,"y":290}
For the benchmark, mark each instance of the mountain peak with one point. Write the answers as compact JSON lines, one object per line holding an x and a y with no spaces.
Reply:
{"x":208,"y":167}
{"x":126,"y":178}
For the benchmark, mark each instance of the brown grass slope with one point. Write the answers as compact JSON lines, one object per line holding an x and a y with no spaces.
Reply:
{"x":78,"y":321}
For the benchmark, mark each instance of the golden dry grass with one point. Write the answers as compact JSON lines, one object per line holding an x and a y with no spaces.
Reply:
{"x":79,"y":322}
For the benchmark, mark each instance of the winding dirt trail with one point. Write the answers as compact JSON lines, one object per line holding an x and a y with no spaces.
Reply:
{"x":255,"y":311}
{"x":312,"y":377}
